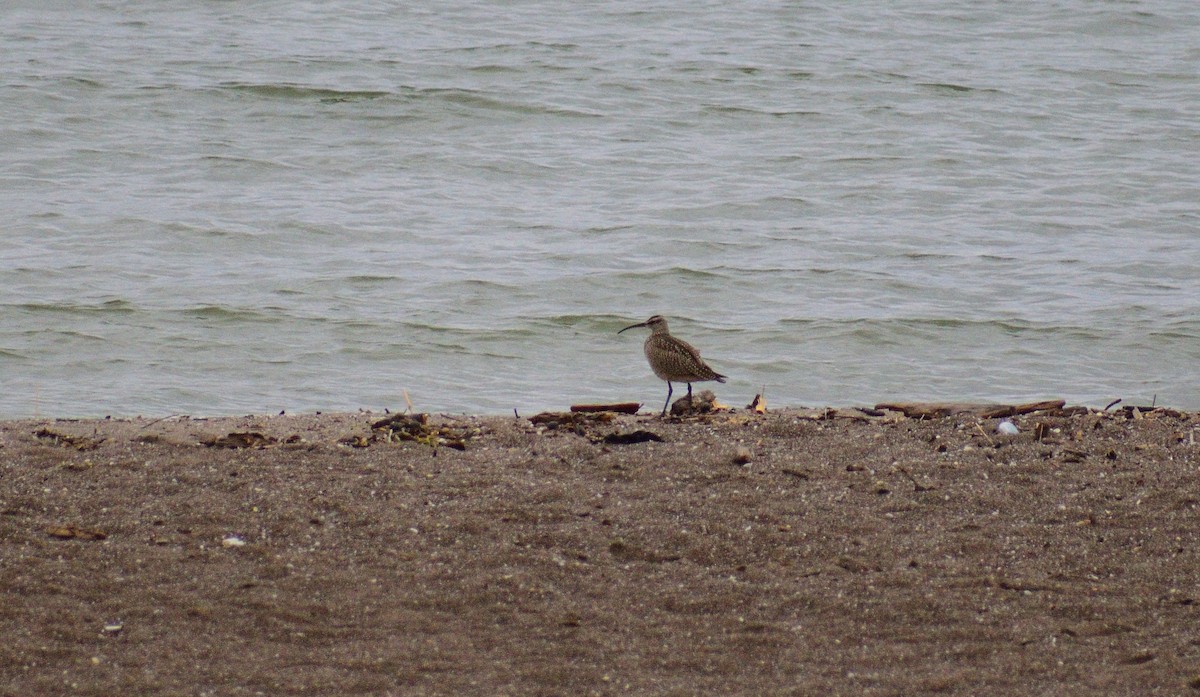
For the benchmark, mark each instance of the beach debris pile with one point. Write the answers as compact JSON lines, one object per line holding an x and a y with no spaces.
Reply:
{"x":80,"y":443}
{"x":241,"y":439}
{"x":589,"y":424}
{"x":417,"y":428}
{"x":579,"y":420}
{"x":703,"y":402}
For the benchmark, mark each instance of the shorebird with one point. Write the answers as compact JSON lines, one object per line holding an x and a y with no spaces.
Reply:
{"x":674,"y":359}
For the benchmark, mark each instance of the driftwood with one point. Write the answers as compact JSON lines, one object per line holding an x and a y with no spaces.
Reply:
{"x":1135,"y":412}
{"x":855,"y":414}
{"x":937,"y":410}
{"x":1027,"y":408}
{"x":621,"y":408}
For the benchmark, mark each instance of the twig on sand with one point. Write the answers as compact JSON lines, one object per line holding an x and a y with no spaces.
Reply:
{"x":170,"y":416}
{"x":917,"y":486}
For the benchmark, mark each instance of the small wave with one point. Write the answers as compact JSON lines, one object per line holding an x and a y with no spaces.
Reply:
{"x":226,"y":159}
{"x":474,"y":333}
{"x":769,"y":272}
{"x":68,"y":333}
{"x":920,"y":324}
{"x":229,"y":314}
{"x":673,"y":271}
{"x":522,"y":46}
{"x":775,"y":113}
{"x":1185,"y":330}
{"x":457,"y":97}
{"x":292,"y":91}
{"x":478,"y":286}
{"x":85,"y":82}
{"x":861,"y":159}
{"x":946,"y":87}
{"x":494,"y":69}
{"x":108,"y":306}
{"x":922,"y":256}
{"x":591,"y":323}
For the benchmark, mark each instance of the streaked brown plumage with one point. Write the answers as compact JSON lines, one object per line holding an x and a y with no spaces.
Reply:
{"x":673,"y":359}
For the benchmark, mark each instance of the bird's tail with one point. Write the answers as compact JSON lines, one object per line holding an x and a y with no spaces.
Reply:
{"x":719,"y":377}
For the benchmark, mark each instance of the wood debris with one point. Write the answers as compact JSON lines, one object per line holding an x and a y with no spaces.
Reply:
{"x":938,"y":410}
{"x":619,"y":408}
{"x":80,"y":443}
{"x":1018,"y":409}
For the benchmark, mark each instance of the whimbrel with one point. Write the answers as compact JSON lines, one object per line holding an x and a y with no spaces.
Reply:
{"x":674,"y":359}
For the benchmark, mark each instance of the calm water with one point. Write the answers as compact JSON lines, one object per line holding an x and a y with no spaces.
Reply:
{"x":216,"y":207}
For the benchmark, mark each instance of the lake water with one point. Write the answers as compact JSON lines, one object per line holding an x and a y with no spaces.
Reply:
{"x":233,"y":207}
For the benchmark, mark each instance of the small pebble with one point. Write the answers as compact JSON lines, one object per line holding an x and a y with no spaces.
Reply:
{"x":233,"y":541}
{"x":1007,"y":427}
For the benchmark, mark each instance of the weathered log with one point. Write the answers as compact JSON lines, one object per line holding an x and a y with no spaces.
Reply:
{"x":933,"y":410}
{"x":856,"y":414}
{"x":1016,"y":409}
{"x":938,"y":410}
{"x":620,"y":408}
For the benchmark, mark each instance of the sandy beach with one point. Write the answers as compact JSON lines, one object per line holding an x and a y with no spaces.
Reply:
{"x":797,"y":552}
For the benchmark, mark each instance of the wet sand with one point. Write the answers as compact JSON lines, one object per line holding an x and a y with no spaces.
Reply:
{"x":797,"y":552}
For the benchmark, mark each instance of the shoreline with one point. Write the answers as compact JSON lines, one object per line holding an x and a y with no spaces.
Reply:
{"x":907,"y":407}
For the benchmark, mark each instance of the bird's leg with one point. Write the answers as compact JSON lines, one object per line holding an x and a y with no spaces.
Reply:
{"x":664,"y":411}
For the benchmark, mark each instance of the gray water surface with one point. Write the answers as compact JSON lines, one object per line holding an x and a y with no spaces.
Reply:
{"x":220,"y":207}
